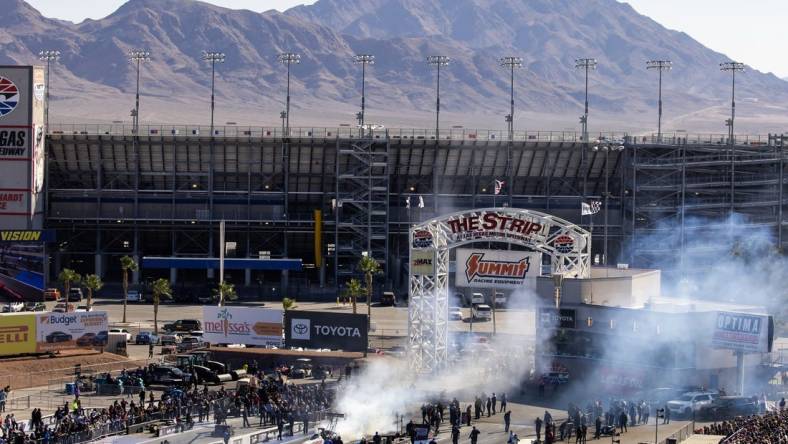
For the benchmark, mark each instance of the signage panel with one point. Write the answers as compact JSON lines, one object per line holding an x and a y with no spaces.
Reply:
{"x":27,"y":236}
{"x":17,"y":334}
{"x":318,"y":329}
{"x":556,"y":318}
{"x":422,"y":261}
{"x":498,"y":225}
{"x":497,"y":268}
{"x":742,"y":332}
{"x":59,"y":331}
{"x":242,"y":325}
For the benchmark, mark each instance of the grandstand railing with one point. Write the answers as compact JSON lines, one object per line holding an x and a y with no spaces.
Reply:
{"x":469,"y":134}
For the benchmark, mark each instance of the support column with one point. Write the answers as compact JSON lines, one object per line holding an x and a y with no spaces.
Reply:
{"x":173,"y":276}
{"x":284,"y":284}
{"x":210,"y":274}
{"x":99,"y":266}
{"x":247,"y":277}
{"x":135,"y":275}
{"x":740,"y":372}
{"x":173,"y":243}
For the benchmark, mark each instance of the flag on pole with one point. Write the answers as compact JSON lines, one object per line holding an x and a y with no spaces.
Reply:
{"x":421,"y":202}
{"x":407,"y":202}
{"x":498,"y":186}
{"x":590,"y":207}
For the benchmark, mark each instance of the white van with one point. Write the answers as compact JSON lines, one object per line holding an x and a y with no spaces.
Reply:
{"x":500,"y":299}
{"x":477,"y":298}
{"x":481,"y":312}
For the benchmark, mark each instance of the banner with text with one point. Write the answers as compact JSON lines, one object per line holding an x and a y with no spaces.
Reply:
{"x":318,"y":329}
{"x":242,"y":325}
{"x":59,"y":331}
{"x":743,"y":332}
{"x":497,"y":268}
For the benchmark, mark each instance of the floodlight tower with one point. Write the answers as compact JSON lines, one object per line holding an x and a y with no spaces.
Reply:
{"x":213,"y":58}
{"x":438,"y":61}
{"x":363,"y":60}
{"x":48,"y":56}
{"x":659,"y":65}
{"x":586,"y":65}
{"x":137,"y":56}
{"x":287,"y":59}
{"x":733,"y":68}
{"x":511,"y":63}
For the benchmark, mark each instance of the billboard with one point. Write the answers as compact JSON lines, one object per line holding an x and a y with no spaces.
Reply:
{"x":59,"y":331}
{"x":743,"y":332}
{"x":497,"y":268}
{"x":422,"y":261}
{"x":549,"y":318}
{"x":242,"y":325}
{"x":319,"y":329}
{"x":489,"y":224}
{"x":17,"y":333}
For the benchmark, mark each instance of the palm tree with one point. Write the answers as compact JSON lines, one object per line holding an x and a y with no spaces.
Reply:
{"x":93,"y":283}
{"x":127,"y":263}
{"x":353,"y":290}
{"x":161,"y":288}
{"x":288,"y":303}
{"x":225,"y":291}
{"x":369,"y":266}
{"x":67,"y":276}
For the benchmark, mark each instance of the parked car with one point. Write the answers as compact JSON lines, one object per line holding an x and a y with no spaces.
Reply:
{"x":83,"y":308}
{"x":123,"y":331}
{"x":51,"y":294}
{"x":57,"y":336}
{"x":477,"y":298}
{"x":500,"y":299}
{"x":302,"y":368}
{"x":133,"y":296}
{"x":388,"y":298}
{"x":86,"y":340}
{"x":189,"y":343}
{"x":169,"y":339}
{"x":166,"y":375}
{"x":34,"y":306}
{"x":726,"y":407}
{"x":481,"y":312}
{"x":146,"y":337}
{"x":101,"y":338}
{"x":185,"y":325}
{"x":689,"y":402}
{"x":61,"y":308}
{"x":13,"y":307}
{"x":455,"y":313}
{"x":75,"y":295}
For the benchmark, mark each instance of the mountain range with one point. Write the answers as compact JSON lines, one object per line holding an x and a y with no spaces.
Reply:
{"x":94,"y":81}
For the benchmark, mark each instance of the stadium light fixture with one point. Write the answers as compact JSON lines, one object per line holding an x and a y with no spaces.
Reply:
{"x":287,"y":59}
{"x":363,"y":60}
{"x":438,"y":61}
{"x":659,"y":65}
{"x":137,"y":56}
{"x":511,"y":63}
{"x":213,"y":58}
{"x":733,"y":68}
{"x":48,"y":56}
{"x":585,"y":65}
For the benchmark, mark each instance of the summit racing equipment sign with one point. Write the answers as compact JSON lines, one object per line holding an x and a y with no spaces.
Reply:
{"x":497,"y":268}
{"x":498,"y":225}
{"x":743,"y":332}
{"x":242,"y":325}
{"x":319,"y":330}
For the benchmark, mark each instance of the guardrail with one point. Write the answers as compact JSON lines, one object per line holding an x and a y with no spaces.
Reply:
{"x":681,"y":435}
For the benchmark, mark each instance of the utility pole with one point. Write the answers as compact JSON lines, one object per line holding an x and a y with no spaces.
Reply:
{"x":659,"y":65}
{"x":511,"y":63}
{"x":733,"y":68}
{"x":363,"y":60}
{"x":437,"y":61}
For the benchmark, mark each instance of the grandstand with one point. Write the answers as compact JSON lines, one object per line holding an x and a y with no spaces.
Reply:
{"x":163,"y":192}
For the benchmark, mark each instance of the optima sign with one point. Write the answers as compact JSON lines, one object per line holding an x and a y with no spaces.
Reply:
{"x":336,"y":331}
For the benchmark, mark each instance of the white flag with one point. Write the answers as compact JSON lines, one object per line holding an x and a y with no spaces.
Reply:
{"x":421,"y":202}
{"x":590,"y":207}
{"x":407,"y":202}
{"x":498,"y":186}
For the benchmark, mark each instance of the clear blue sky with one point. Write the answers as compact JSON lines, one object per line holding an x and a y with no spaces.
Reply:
{"x":750,"y":31}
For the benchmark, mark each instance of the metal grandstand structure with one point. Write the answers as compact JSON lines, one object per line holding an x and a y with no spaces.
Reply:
{"x":166,"y":196}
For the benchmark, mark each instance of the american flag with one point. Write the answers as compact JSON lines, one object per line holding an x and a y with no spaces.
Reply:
{"x":590,"y":207}
{"x":498,"y":186}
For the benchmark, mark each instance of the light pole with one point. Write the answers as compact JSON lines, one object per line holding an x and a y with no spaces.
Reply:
{"x":511,"y":63}
{"x":288,"y":58}
{"x":137,"y":56}
{"x":48,"y":56}
{"x":363,"y":60}
{"x":659,"y":65}
{"x":656,"y":424}
{"x":606,"y":147}
{"x":438,"y":61}
{"x":585,"y":65}
{"x":213,"y":58}
{"x":732,"y":67}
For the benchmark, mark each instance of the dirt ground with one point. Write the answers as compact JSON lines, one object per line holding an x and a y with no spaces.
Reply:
{"x":27,"y":372}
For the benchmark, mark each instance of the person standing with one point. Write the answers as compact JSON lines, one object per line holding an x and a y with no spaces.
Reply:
{"x":489,"y":406}
{"x":474,"y":435}
{"x":455,"y":435}
{"x":150,"y":349}
{"x":503,"y":402}
{"x":494,"y":402}
{"x":538,"y":427}
{"x":507,"y":418}
{"x":468,"y":415}
{"x":598,"y":427}
{"x":666,"y":419}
